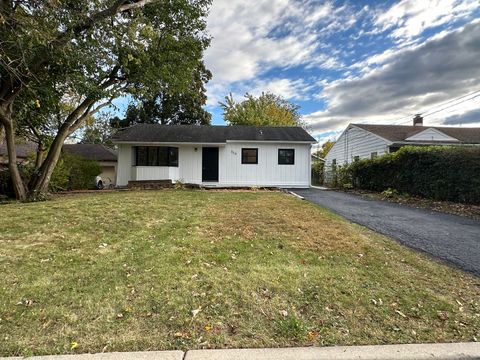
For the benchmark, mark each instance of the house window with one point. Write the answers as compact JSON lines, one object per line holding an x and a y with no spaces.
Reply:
{"x":286,"y":156}
{"x":249,"y":156}
{"x":156,"y":156}
{"x":373,"y":155}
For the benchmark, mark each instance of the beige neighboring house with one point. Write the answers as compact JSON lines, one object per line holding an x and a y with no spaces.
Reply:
{"x":106,"y":158}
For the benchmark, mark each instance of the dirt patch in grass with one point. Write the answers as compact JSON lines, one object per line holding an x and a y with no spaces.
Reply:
{"x":155,"y":270}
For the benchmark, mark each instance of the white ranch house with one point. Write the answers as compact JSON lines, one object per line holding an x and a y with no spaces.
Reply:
{"x":217,"y":156}
{"x":365,"y":141}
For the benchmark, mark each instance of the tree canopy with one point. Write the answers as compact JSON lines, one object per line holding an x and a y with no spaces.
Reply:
{"x":326,"y":146}
{"x":267,"y":109}
{"x":63,"y":61}
{"x":179,"y":108}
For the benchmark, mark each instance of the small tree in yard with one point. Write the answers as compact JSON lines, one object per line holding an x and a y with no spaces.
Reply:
{"x":266,"y":110}
{"x":65,"y":60}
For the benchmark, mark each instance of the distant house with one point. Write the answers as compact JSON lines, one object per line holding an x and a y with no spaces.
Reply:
{"x":105,"y":157}
{"x":23,"y":152}
{"x":364,"y":141}
{"x":217,"y":156}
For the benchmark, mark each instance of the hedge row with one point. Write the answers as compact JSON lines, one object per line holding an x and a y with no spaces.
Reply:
{"x":435,"y":172}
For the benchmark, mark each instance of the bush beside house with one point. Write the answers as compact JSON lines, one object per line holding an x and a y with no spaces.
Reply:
{"x":436,"y":172}
{"x":72,"y":172}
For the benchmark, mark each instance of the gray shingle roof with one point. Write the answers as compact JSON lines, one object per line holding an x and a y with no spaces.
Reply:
{"x":210,"y":134}
{"x":95,"y":152}
{"x":398,"y":133}
{"x":23,"y":150}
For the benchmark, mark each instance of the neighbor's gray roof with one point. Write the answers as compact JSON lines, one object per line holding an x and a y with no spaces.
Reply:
{"x":398,"y":133}
{"x":152,"y":133}
{"x":23,"y":150}
{"x":95,"y":152}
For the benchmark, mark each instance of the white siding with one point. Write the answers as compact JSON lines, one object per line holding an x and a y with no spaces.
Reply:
{"x":156,"y":173}
{"x":231,"y":170}
{"x":267,"y":172}
{"x":355,"y":142}
{"x":190,"y":164}
{"x":431,"y":135}
{"x":124,"y":166}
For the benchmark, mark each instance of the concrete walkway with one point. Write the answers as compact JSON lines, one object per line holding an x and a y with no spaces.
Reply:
{"x":451,"y":238}
{"x":374,"y":352}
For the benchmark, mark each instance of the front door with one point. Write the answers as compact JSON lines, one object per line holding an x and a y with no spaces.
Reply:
{"x":210,"y":164}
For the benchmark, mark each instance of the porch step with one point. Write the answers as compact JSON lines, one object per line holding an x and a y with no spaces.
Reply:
{"x":150,"y":184}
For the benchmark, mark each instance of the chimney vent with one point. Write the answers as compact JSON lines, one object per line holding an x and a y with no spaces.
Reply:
{"x":418,"y":120}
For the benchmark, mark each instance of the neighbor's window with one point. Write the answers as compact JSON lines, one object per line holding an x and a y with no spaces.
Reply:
{"x":286,"y":156}
{"x":373,"y":155}
{"x":249,"y":156}
{"x":156,"y":156}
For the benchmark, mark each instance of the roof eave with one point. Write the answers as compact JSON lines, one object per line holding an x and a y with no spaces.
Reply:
{"x":433,"y":143}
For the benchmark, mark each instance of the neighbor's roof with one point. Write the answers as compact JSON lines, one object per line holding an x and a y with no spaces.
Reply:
{"x":23,"y":150}
{"x":95,"y":152}
{"x":399,"y":133}
{"x":152,"y":133}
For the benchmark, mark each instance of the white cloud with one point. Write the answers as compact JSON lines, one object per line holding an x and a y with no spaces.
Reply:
{"x":251,"y":38}
{"x":411,"y":17}
{"x":291,"y":89}
{"x":414,"y":80}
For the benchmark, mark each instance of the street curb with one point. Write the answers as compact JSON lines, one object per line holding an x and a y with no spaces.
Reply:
{"x":447,"y":351}
{"x":296,"y":195}
{"x":142,"y":355}
{"x":374,"y":352}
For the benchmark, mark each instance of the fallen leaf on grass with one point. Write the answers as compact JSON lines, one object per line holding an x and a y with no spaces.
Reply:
{"x":180,"y":334}
{"x":196,"y":311}
{"x":26,"y":302}
{"x":73,"y":345}
{"x":401,"y":314}
{"x":443,"y":315}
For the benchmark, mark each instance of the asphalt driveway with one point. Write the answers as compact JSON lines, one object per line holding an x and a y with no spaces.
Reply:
{"x":451,"y":238}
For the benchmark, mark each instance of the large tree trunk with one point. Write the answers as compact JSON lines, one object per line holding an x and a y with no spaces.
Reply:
{"x":39,"y":156}
{"x":17,"y":182}
{"x":41,"y":178}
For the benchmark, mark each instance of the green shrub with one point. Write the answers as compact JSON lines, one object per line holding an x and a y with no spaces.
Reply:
{"x":71,"y":173}
{"x":6,"y":186}
{"x":74,"y":173}
{"x":436,"y":172}
{"x":317,"y":172}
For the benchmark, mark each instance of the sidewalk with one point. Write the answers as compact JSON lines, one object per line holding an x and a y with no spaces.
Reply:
{"x":371,"y":352}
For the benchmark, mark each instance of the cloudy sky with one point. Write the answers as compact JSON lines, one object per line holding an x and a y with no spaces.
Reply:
{"x":350,"y":61}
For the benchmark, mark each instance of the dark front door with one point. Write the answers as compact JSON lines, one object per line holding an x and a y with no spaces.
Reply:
{"x":210,"y":164}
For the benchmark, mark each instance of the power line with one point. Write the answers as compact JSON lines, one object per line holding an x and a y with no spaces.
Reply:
{"x":447,"y":107}
{"x":432,"y":110}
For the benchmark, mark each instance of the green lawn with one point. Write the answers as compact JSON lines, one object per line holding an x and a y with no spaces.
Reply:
{"x":124,"y":271}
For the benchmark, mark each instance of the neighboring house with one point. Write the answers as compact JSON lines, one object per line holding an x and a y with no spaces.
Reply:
{"x":23,"y":152}
{"x":221,"y":156}
{"x":106,"y":158}
{"x":363,"y":141}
